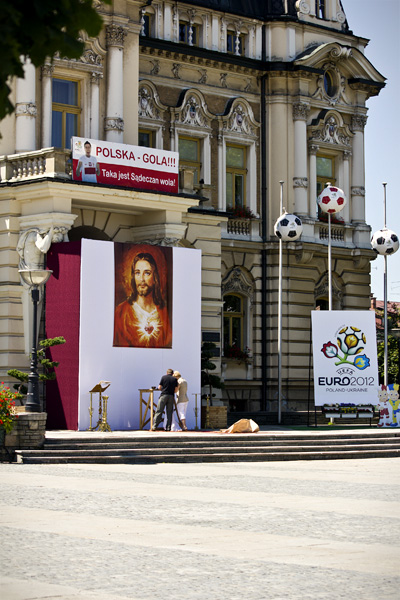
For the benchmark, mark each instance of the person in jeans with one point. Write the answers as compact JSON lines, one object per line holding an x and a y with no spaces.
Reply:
{"x":168,"y":386}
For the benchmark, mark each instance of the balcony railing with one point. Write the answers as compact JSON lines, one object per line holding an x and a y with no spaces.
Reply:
{"x":47,"y":162}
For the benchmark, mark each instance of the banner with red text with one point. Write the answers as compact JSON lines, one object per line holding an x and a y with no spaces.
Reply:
{"x":109,"y":163}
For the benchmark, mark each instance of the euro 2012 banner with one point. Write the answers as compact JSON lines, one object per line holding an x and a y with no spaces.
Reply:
{"x":345,"y":357}
{"x":109,"y":163}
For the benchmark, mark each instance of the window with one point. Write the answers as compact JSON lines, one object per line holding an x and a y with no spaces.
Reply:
{"x":188,"y":33}
{"x":234,"y":43}
{"x":236,"y":161}
{"x":147,"y":138}
{"x":325,"y":172}
{"x":189,"y":155}
{"x":329,"y":84}
{"x":320,"y":9}
{"x":233,"y":321}
{"x":146,"y":25}
{"x":66,"y":111}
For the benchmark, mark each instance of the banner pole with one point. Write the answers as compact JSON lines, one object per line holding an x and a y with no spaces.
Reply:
{"x":280,"y":318}
{"x":329,"y":262}
{"x":385,"y":366}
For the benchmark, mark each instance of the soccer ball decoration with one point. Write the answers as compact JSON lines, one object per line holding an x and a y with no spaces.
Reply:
{"x":385,"y":241}
{"x":288,"y":228}
{"x":331,"y":200}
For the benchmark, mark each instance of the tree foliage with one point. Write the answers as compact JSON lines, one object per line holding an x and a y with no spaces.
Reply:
{"x":393,"y":322}
{"x":393,"y":360}
{"x":38,"y":29}
{"x":47,"y":364}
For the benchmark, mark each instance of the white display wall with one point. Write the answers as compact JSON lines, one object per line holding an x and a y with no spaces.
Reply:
{"x":129,"y":369}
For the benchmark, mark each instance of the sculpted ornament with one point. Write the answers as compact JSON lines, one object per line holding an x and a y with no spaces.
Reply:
{"x":237,"y":282}
{"x":358,"y":191}
{"x":358,"y":122}
{"x":300,"y":182}
{"x":331,"y":133}
{"x":303,"y":7}
{"x":34,"y":243}
{"x":90,"y":57}
{"x":193,"y":113}
{"x":175,"y":70}
{"x":27,"y":109}
{"x":113,"y":124}
{"x":156,"y":67}
{"x":115,"y":35}
{"x":147,"y":105}
{"x":300,"y":111}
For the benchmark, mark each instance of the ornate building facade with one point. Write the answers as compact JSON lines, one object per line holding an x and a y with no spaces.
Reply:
{"x":249,"y":94}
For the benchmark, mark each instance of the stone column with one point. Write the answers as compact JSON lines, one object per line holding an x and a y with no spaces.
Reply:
{"x":346,"y":184}
{"x":312,"y":207}
{"x":25,"y":110}
{"x":300,"y":181}
{"x":95,"y":104}
{"x":358,"y":171}
{"x":114,"y":122}
{"x":47,"y":101}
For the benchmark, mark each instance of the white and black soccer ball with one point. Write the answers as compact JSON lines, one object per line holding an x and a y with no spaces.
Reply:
{"x":385,"y":241}
{"x":331,"y":200}
{"x":288,"y":228}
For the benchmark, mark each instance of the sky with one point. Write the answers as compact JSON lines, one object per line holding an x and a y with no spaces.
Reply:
{"x":379,"y":21}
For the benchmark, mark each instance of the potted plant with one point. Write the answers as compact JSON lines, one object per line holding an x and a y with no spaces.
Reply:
{"x":241,"y":212}
{"x":237,"y":353}
{"x":8,"y":415}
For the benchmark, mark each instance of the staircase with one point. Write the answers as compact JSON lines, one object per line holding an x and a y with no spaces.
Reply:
{"x":198,"y":447}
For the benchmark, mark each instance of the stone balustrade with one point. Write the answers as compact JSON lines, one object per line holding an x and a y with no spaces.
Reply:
{"x":47,"y":162}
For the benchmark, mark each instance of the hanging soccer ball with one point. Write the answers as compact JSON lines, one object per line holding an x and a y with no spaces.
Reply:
{"x":331,"y":200}
{"x":385,"y":241}
{"x":288,"y":228}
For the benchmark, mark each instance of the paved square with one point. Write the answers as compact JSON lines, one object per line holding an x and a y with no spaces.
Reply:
{"x":298,"y":530}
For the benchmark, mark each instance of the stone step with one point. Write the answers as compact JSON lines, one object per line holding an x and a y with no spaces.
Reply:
{"x":130,"y":458}
{"x":186,"y":443}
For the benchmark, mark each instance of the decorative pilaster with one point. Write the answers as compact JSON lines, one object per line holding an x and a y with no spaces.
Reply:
{"x":95,"y":79}
{"x":25,"y":110}
{"x":346,"y":184}
{"x":47,"y":101}
{"x":114,"y":122}
{"x":312,"y":151}
{"x":358,"y":172}
{"x":300,"y":181}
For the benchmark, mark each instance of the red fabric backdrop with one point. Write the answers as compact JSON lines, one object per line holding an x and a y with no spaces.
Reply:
{"x":62,"y":318}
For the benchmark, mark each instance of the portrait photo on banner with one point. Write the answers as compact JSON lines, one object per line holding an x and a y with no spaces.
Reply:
{"x":143,"y":296}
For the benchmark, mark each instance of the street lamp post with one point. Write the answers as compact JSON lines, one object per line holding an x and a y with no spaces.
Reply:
{"x":34,"y":278}
{"x":385,"y":242}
